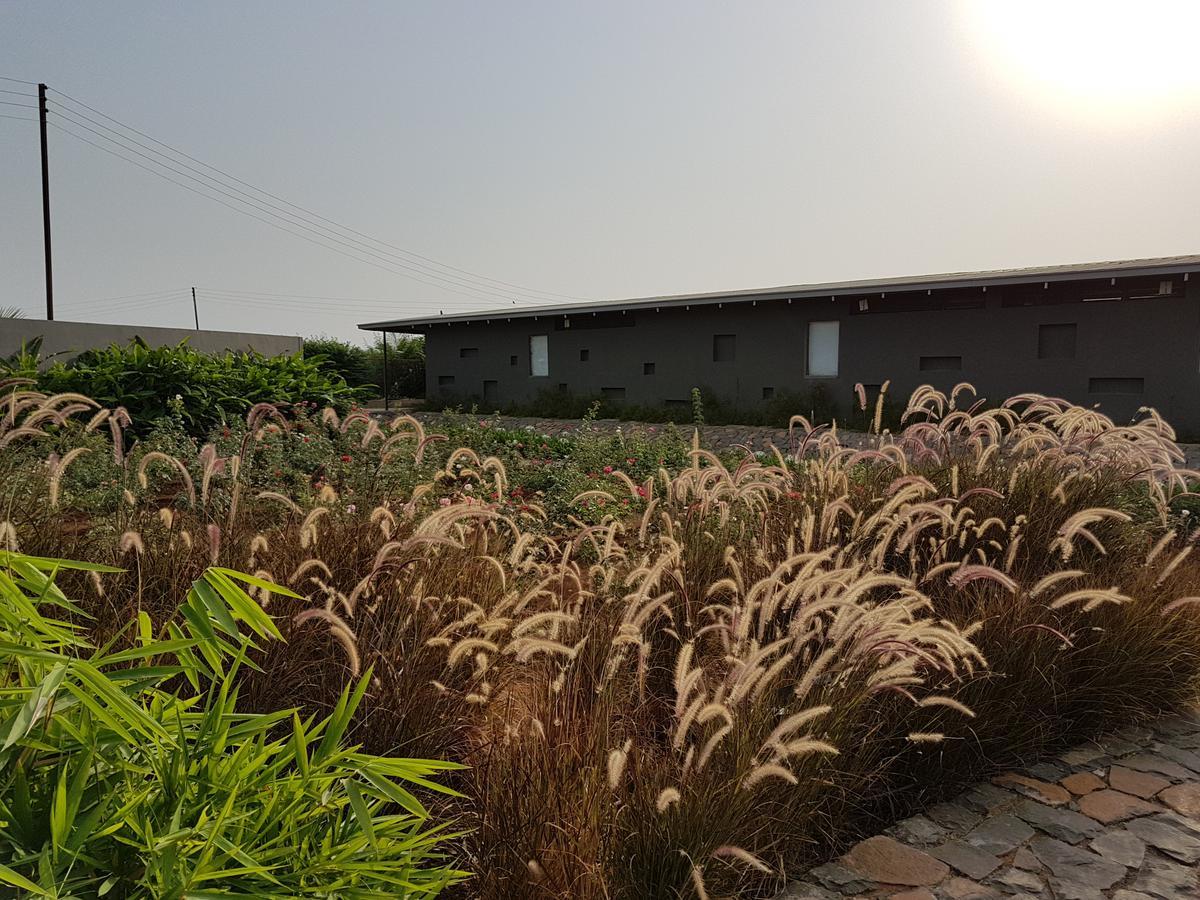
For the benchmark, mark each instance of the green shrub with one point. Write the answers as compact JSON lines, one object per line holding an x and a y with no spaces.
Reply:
{"x":363,"y":366}
{"x":130,"y":772}
{"x":205,"y":389}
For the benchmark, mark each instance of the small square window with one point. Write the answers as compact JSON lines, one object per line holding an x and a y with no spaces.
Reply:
{"x":724,"y":347}
{"x":941,"y":364}
{"x":468,"y":352}
{"x":647,"y":368}
{"x":1116,"y":385}
{"x":585,"y":355}
{"x":768,"y":393}
{"x":1056,"y":341}
{"x":562,"y":387}
{"x":512,"y":360}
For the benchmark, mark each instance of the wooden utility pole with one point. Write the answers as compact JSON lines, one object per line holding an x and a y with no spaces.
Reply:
{"x":195,"y":310}
{"x":46,"y":204}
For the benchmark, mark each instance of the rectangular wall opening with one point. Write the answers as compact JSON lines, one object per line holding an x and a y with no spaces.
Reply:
{"x":445,"y":380}
{"x":613,"y":393}
{"x":512,"y":360}
{"x":585,"y":355}
{"x":468,"y":352}
{"x":724,"y":347}
{"x":491,"y":391}
{"x":1116,"y":385}
{"x":768,"y":393}
{"x":941,"y":364}
{"x":647,"y":368}
{"x":823,"y":340}
{"x":539,"y":355}
{"x":1056,"y":341}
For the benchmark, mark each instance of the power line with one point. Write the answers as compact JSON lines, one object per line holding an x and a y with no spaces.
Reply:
{"x":362,"y":302}
{"x":17,"y":80}
{"x":265,"y":208}
{"x":18,"y":118}
{"x":246,"y":213}
{"x":407,"y":253}
{"x":456,"y":286}
{"x":17,"y":93}
{"x":128,"y":304}
{"x":14,"y":103}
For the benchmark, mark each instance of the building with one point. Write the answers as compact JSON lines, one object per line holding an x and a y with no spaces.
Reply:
{"x":1120,"y":335}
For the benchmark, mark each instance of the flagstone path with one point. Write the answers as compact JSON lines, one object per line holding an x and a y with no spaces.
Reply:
{"x":1118,"y":818}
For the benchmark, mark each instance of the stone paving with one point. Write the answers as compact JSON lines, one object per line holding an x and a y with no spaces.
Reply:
{"x":1118,"y":818}
{"x":713,"y":437}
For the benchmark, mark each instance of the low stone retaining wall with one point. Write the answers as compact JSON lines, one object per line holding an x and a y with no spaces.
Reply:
{"x":1116,"y":819}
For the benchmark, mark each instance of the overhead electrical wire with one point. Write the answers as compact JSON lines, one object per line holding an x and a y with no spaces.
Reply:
{"x":477,"y":285}
{"x":241,"y":197}
{"x":252,"y":215}
{"x":407,"y":253}
{"x":18,"y":118}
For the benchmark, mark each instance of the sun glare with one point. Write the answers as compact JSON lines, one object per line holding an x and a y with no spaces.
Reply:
{"x":1096,"y":55}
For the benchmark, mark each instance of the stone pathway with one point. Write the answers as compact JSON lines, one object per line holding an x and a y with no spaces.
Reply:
{"x":1118,"y":818}
{"x":714,"y":437}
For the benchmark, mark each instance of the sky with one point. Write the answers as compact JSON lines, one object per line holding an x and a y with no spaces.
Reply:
{"x":533,"y":152}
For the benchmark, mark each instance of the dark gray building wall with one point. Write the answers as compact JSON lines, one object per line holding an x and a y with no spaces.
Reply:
{"x":64,"y":340}
{"x":1156,"y":340}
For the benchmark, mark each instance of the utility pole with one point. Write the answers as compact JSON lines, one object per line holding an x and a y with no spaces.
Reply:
{"x":195,"y":310}
{"x":46,"y":204}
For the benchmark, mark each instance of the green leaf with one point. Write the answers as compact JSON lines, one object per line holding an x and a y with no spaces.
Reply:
{"x":8,"y":876}
{"x":36,"y":705}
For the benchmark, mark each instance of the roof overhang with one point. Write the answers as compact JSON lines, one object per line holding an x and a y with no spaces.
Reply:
{"x":1079,"y":271}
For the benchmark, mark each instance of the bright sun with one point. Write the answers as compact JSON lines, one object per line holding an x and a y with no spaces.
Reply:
{"x":1099,"y":54}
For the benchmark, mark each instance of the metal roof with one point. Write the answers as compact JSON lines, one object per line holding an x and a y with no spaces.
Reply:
{"x":1125,"y":267}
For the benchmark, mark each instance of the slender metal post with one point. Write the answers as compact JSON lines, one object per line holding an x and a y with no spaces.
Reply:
{"x":46,"y":203}
{"x":195,"y":310}
{"x":386,"y":386}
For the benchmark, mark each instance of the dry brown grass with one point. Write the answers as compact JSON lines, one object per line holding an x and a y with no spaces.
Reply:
{"x":708,"y":695}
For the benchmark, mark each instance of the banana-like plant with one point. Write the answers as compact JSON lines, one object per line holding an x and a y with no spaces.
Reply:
{"x":128,"y":771}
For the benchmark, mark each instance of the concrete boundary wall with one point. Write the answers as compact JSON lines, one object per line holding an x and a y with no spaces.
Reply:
{"x":66,"y":340}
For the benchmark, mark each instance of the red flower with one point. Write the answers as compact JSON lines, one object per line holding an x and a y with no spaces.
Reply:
{"x":345,"y":457}
{"x":608,"y":470}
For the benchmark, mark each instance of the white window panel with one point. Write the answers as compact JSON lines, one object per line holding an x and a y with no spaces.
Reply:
{"x":823,"y":349}
{"x":539,"y":355}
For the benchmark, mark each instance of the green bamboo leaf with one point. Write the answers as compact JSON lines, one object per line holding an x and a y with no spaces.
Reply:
{"x":359,"y":806}
{"x":257,"y":582}
{"x":36,"y":705}
{"x":8,"y":876}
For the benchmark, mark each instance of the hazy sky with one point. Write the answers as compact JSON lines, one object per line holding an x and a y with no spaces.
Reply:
{"x":594,"y":150}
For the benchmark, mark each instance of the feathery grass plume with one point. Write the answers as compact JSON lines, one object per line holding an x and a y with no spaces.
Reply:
{"x":213,"y":530}
{"x":275,"y":497}
{"x":729,"y":851}
{"x":8,"y":536}
{"x":158,"y":456}
{"x":667,"y":797}
{"x":58,"y":470}
{"x":616,"y":763}
{"x":925,"y":737}
{"x":338,"y":630}
{"x":131,"y":540}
